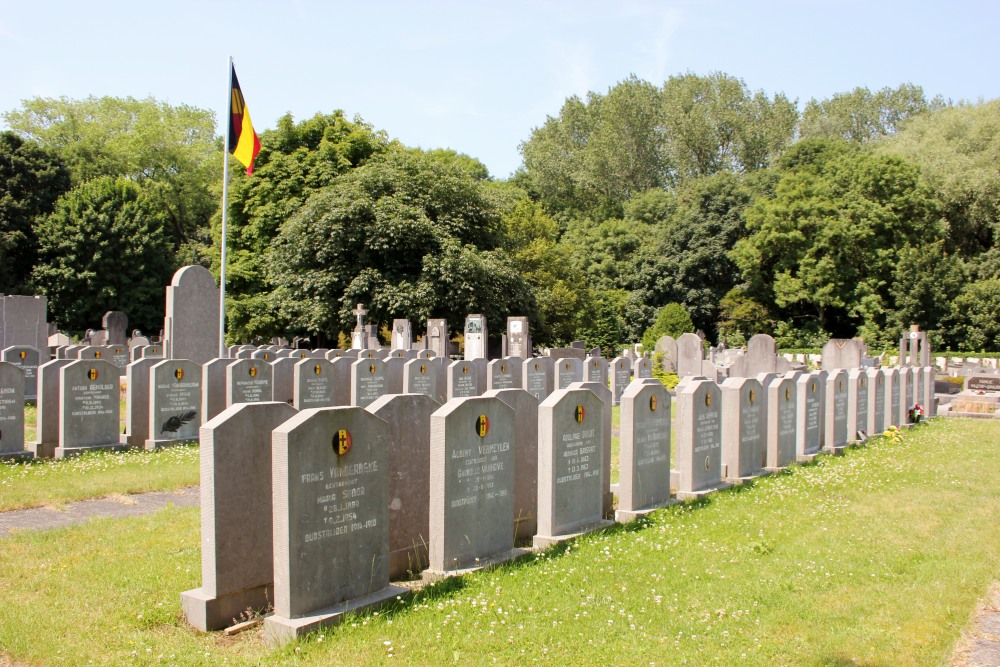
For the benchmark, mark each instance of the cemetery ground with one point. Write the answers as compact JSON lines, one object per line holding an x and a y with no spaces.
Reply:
{"x":876,"y":557}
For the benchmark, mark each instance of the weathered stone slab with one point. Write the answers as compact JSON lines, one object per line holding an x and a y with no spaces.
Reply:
{"x":49,"y":392}
{"x":893,"y":396}
{"x":690,"y":354}
{"x":525,"y":408}
{"x":420,"y":376}
{"x":174,"y":388}
{"x":644,"y":458}
{"x":596,"y":370}
{"x":857,"y":405}
{"x":811,"y":421}
{"x":368,"y":381}
{"x":604,"y":394}
{"x":394,"y":365}
{"x":213,"y":388}
{"x":667,"y":347}
{"x":283,"y":379}
{"x":876,"y":401}
{"x":642,"y":369}
{"x":191,"y":325}
{"x":504,"y":373}
{"x":744,"y":429}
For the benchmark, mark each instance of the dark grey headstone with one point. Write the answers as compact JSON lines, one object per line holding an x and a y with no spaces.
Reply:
{"x":191,"y":325}
{"x":420,"y":376}
{"x":115,"y":323}
{"x":283,"y":379}
{"x":835,"y":430}
{"x":49,"y":384}
{"x":567,"y":371}
{"x":525,"y":408}
{"x":248,"y":381}
{"x":857,"y":404}
{"x":368,"y":381}
{"x":876,"y":401}
{"x":782,"y":418}
{"x":596,"y":370}
{"x":504,"y":373}
{"x":621,"y":376}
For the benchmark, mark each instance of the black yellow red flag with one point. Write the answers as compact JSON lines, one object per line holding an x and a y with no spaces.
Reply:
{"x":243,"y":142}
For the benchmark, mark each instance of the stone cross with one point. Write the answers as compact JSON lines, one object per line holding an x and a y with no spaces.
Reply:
{"x":360,"y":313}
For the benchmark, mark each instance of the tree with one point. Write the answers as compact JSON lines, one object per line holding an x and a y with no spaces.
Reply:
{"x":860,"y":115}
{"x":671,"y":320}
{"x":973,"y":324}
{"x":104,"y":248}
{"x":171,"y":149}
{"x":31,"y":180}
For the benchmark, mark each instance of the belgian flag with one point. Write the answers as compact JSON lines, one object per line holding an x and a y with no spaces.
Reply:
{"x":243,"y":142}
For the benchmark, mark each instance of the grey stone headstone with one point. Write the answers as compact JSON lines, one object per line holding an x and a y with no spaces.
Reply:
{"x":621,"y":376}
{"x":213,"y":388}
{"x":744,"y":428}
{"x":264,"y":355}
{"x":518,"y":338}
{"x":536,"y":377}
{"x":667,"y":346}
{"x":835,"y":430}
{"x":248,"y":381}
{"x":644,"y":458}
{"x":642,"y":368}
{"x":570,"y":461}
{"x":191,"y":325}
{"x":283,"y":379}
{"x":244,"y":354}
{"x":115,"y":323}
{"x":437,"y":338}
{"x":174,"y":403}
{"x":476,"y":339}
{"x":11,"y":411}
{"x":342,"y":379}
{"x":23,"y":322}
{"x":27,"y":359}
{"x":568,"y":371}
{"x":782,"y":419}
{"x":402,"y":335}
{"x":843,"y":353}
{"x":137,"y":402}
{"x":504,"y":373}
{"x":420,"y":376}
{"x":312,"y":384}
{"x":893,"y":394}
{"x":603,"y":393}
{"x":88,"y":406}
{"x":237,"y":571}
{"x":394,"y":374}
{"x":857,"y":404}
{"x":690,"y":354}
{"x":699,"y":437}
{"x":409,"y":419}
{"x":929,"y":401}
{"x":49,"y":392}
{"x":368,"y":381}
{"x":596,"y":370}
{"x":463,"y":379}
{"x":876,"y":401}
{"x":811,"y":420}
{"x":330,"y":482}
{"x":525,"y":408}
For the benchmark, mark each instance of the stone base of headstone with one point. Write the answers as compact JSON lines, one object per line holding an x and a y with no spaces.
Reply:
{"x":807,"y":458}
{"x":41,"y":450}
{"x":208,"y":613}
{"x":837,"y":450}
{"x":701,"y":493}
{"x":410,"y":561}
{"x":543,"y":541}
{"x":482,"y":564}
{"x":279,"y":630}
{"x":624,"y":516}
{"x":152,"y":445}
{"x":69,"y":452}
{"x":768,"y":470}
{"x":14,"y":456}
{"x":742,"y":480}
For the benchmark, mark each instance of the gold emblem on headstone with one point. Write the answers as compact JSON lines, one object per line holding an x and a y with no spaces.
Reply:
{"x":179,"y":373}
{"x":118,"y":350}
{"x":840,"y":385}
{"x":371,"y":369}
{"x":465,"y":369}
{"x":862,"y":380}
{"x":482,"y":425}
{"x":253,"y":371}
{"x":878,"y":379}
{"x":97,"y":354}
{"x":813,"y":387}
{"x":753,"y":395}
{"x":580,"y":414}
{"x":317,"y":369}
{"x":652,"y":402}
{"x":92,"y":374}
{"x":266,"y":356}
{"x":708,"y":400}
{"x":503,"y":368}
{"x":423,"y":369}
{"x":788,"y":393}
{"x":708,"y":462}
{"x":302,"y":355}
{"x":536,"y":366}
{"x":22,"y":354}
{"x":342,"y":443}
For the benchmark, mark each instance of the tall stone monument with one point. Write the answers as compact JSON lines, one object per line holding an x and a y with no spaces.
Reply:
{"x":191,"y":326}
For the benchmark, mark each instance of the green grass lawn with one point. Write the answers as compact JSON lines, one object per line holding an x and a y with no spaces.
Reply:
{"x":877,"y":557}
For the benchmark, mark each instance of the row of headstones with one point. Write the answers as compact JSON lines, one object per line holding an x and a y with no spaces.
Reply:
{"x":319,"y":510}
{"x":746,"y":427}
{"x":167,"y":400}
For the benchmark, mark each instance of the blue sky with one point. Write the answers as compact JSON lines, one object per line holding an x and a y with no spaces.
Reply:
{"x":478,"y":76}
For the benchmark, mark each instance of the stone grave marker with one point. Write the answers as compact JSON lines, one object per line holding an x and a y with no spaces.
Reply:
{"x":876,"y":401}
{"x":191,"y":325}
{"x":213,"y":388}
{"x":437,"y":337}
{"x":330,"y":483}
{"x":603,"y":393}
{"x":893,"y":396}
{"x":263,"y":354}
{"x":644,"y":457}
{"x":518,"y":338}
{"x":115,"y":323}
{"x":47,"y":420}
{"x":409,"y":419}
{"x":313,"y":384}
{"x":27,"y":359}
{"x":402,"y":335}
{"x":394,"y":374}
{"x":248,"y":381}
{"x":845,"y":353}
{"x":420,"y":376}
{"x":835,"y":429}
{"x":245,"y":354}
{"x":811,"y":420}
{"x":642,"y":368}
{"x":536,"y":377}
{"x":782,"y":420}
{"x":342,"y":367}
{"x":930,"y":403}
{"x":174,"y":388}
{"x":463,"y":379}
{"x":857,"y":405}
{"x":570,"y":453}
{"x":137,"y":399}
{"x":699,"y":438}
{"x":368,"y":381}
{"x":525,"y":407}
{"x":23,"y":321}
{"x":283,"y":379}
{"x":12,"y":412}
{"x":596,"y":370}
{"x":690,"y":354}
{"x":237,"y":571}
{"x":568,"y":371}
{"x":88,"y":407}
{"x":744,"y":429}
{"x":504,"y":373}
{"x":667,"y":346}
{"x":476,"y":340}
{"x":904,"y":395}
{"x":482,"y":365}
{"x":621,"y":376}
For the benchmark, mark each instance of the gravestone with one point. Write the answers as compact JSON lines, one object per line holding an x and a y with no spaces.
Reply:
{"x":368,"y":381}
{"x":137,"y":402}
{"x":904,"y":395}
{"x":568,"y":371}
{"x":283,"y":379}
{"x":930,"y":402}
{"x":811,"y":420}
{"x":642,"y":369}
{"x":914,"y":348}
{"x":621,"y":376}
{"x":313,"y":384}
{"x":504,"y":373}
{"x":644,"y":458}
{"x":525,"y":408}
{"x":420,"y":376}
{"x":174,"y":403}
{"x":409,"y":453}
{"x":115,"y":323}
{"x":27,"y":359}
{"x":893,"y":397}
{"x":667,"y":346}
{"x":876,"y":401}
{"x":843,"y":353}
{"x":23,"y":322}
{"x":248,"y":381}
{"x":149,"y":352}
{"x":263,"y":354}
{"x":437,"y":337}
{"x":744,"y":429}
{"x":330,"y":483}
{"x":476,"y":339}
{"x":690,"y":354}
{"x":604,"y":394}
{"x":47,"y":420}
{"x":471,"y":485}
{"x":88,"y":407}
{"x":12,"y":413}
{"x":463,"y":379}
{"x":394,"y":374}
{"x":835,"y":430}
{"x":699,"y":438}
{"x":191,"y":325}
{"x":596,"y":370}
{"x":570,"y":460}
{"x":782,"y":420}
{"x":402,"y":335}
{"x":237,"y":570}
{"x":359,"y":337}
{"x":518,"y":338}
{"x":119,"y":355}
{"x":857,"y":405}
{"x":536,"y":377}
{"x":213,"y":388}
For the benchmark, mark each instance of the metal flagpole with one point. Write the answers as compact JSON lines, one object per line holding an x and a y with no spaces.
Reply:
{"x":225,"y":210}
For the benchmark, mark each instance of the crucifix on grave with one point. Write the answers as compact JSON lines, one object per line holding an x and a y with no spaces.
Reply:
{"x":358,"y":335}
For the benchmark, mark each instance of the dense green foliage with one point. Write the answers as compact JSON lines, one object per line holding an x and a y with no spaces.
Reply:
{"x":671,"y":320}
